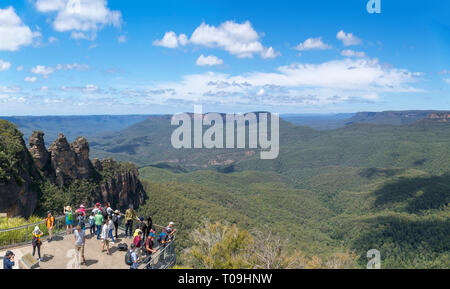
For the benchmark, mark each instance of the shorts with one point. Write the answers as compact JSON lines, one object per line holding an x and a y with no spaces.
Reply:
{"x":80,"y":248}
{"x":106,"y":242}
{"x":68,"y":223}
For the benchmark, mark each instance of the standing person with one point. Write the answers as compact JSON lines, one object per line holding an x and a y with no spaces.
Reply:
{"x":81,"y":220}
{"x":36,"y":242}
{"x":109,"y":210}
{"x":8,"y":260}
{"x":105,"y":236}
{"x":149,"y":225}
{"x":98,"y":223}
{"x":82,"y":209}
{"x":134,"y":258}
{"x":116,"y":219}
{"x":96,"y":208}
{"x":137,"y":240}
{"x":111,"y":228}
{"x":143,"y":227}
{"x":130,"y":215}
{"x":69,"y":219}
{"x":170,"y":230}
{"x":92,"y":223}
{"x":149,"y":244}
{"x":50,"y":223}
{"x":79,"y":242}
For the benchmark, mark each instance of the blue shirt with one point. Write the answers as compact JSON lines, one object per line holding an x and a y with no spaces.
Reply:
{"x":7,"y":263}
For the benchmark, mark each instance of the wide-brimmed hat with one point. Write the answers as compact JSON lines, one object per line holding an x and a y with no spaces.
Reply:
{"x":82,"y":206}
{"x":36,"y":230}
{"x":116,"y":211}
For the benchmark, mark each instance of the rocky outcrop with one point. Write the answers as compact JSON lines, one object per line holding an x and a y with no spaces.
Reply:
{"x":23,"y":170}
{"x":18,"y":174}
{"x":83,"y":165}
{"x":121,"y":188}
{"x":38,"y":150}
{"x":70,"y":161}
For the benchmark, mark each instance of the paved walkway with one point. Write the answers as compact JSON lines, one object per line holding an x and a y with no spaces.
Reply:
{"x":60,"y":254}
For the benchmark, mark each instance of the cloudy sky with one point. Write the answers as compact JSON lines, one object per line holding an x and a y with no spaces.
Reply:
{"x":146,"y":57}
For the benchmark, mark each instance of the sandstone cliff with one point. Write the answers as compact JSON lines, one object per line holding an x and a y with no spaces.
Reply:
{"x":23,"y":171}
{"x":19,"y":177}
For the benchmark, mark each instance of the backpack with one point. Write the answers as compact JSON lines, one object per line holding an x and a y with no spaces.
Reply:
{"x":35,"y":241}
{"x":122,"y":247}
{"x":128,"y":260}
{"x":81,"y":221}
{"x":70,"y":216}
{"x":105,"y":214}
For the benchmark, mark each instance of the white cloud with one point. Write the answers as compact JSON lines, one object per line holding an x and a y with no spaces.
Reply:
{"x":313,"y":44}
{"x":447,"y":80}
{"x":42,"y":70}
{"x":13,"y":32}
{"x":86,"y":18}
{"x":4,"y":65}
{"x":352,"y":53}
{"x":238,"y":39}
{"x":297,"y":84}
{"x":52,"y":39}
{"x":19,"y":68}
{"x":210,"y":60}
{"x":81,"y":35}
{"x":348,"y":39}
{"x":171,"y":40}
{"x":122,"y":39}
{"x":30,"y":79}
{"x":45,"y":71}
{"x":268,"y":53}
{"x":90,"y":88}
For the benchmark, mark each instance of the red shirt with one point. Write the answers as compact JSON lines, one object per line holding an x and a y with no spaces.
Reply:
{"x":137,"y":241}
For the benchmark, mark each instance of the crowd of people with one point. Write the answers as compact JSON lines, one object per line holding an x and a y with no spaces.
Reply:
{"x":103,"y":224}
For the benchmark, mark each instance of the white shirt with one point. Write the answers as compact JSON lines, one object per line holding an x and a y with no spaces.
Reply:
{"x":105,"y":231}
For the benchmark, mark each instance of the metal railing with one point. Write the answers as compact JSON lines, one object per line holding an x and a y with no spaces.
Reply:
{"x":22,"y":235}
{"x":163,"y":258}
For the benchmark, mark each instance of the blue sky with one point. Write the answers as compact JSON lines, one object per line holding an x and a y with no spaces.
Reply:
{"x":122,"y":57}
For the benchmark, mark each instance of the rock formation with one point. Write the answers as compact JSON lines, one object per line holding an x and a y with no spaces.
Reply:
{"x":61,"y":164}
{"x":18,"y":173}
{"x":123,"y":187}
{"x":38,"y":150}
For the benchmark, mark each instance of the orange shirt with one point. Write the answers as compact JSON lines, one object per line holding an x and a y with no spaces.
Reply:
{"x":50,"y":221}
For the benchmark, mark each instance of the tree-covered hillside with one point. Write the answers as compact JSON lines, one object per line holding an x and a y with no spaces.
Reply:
{"x":402,"y":213}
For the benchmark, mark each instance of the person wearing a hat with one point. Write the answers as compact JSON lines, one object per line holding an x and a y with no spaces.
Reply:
{"x":69,"y":219}
{"x":170,"y":230}
{"x":8,"y":260}
{"x":149,"y":244}
{"x":36,"y":241}
{"x":50,"y":223}
{"x":82,"y":210}
{"x":96,"y":208}
{"x":116,"y":220}
{"x":143,"y":227}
